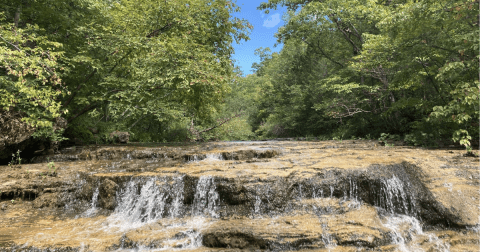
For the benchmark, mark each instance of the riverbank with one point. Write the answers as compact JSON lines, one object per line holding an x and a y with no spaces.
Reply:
{"x":269,"y":195}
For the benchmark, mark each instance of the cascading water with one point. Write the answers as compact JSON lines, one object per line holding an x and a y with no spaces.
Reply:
{"x":246,"y":198}
{"x":144,"y":200}
{"x":405,"y":229}
{"x":394,"y":198}
{"x":402,"y":228}
{"x":93,"y":209}
{"x":214,"y":157}
{"x":206,"y":199}
{"x":205,"y":157}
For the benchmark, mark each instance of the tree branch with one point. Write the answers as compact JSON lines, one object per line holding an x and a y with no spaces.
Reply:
{"x":20,"y":50}
{"x":159,"y":31}
{"x":78,"y":88}
{"x":83,"y":111}
{"x":197,"y":133}
{"x":136,"y":121}
{"x":322,"y":52}
{"x":356,"y":50}
{"x":16,"y":20}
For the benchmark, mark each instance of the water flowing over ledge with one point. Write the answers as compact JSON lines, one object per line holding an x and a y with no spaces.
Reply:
{"x":259,"y":195}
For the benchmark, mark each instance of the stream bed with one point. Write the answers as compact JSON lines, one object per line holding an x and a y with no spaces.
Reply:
{"x":253,"y":196}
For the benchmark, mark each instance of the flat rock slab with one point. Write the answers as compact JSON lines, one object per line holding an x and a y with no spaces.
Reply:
{"x":307,"y":196}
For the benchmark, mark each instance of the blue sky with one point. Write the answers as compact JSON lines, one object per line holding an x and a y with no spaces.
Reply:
{"x":264,"y":28}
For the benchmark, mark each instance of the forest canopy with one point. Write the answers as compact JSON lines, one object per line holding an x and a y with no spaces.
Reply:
{"x":163,"y":71}
{"x":115,"y":65}
{"x":361,"y":68}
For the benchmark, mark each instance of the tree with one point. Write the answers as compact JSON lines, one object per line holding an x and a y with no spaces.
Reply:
{"x":383,"y":71}
{"x":31,"y":69}
{"x":122,"y":61}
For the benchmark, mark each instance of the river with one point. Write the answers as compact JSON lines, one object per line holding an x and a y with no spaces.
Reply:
{"x":230,"y":196}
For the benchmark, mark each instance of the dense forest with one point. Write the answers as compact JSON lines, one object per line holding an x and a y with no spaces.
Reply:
{"x":362,"y":68}
{"x":163,"y":70}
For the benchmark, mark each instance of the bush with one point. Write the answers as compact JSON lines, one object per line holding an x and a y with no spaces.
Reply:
{"x":236,"y":129}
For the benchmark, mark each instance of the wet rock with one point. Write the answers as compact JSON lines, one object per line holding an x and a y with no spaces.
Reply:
{"x":47,"y":200}
{"x":119,"y":136}
{"x":13,"y":132}
{"x":16,"y":135}
{"x":107,"y":192}
{"x":360,"y":227}
{"x":233,"y":240}
{"x":272,"y":196}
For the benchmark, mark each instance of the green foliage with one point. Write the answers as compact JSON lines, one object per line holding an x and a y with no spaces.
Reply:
{"x":162,"y":70}
{"x":235,"y":129}
{"x":125,"y":63}
{"x":272,"y":128}
{"x":52,"y":169}
{"x":16,"y":160}
{"x":30,"y":70}
{"x":371,"y":67}
{"x":386,"y":136}
{"x":80,"y":130}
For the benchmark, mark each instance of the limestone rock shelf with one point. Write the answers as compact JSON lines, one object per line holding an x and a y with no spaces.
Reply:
{"x":274,"y":196}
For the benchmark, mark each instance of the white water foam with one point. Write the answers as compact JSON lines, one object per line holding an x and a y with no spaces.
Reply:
{"x":327,"y":237}
{"x":214,"y":157}
{"x":207,"y":158}
{"x":206,"y":201}
{"x":393,"y":197}
{"x":93,"y":206}
{"x":406,"y":230}
{"x":402,"y":228}
{"x":144,"y":201}
{"x":257,"y":205}
{"x":191,"y":239}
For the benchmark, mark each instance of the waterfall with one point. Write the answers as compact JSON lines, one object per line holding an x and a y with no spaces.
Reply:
{"x":93,"y":207}
{"x":257,"y":205}
{"x":205,"y":157}
{"x":353,"y":190}
{"x":402,"y":228}
{"x":206,"y":199}
{"x":224,"y":196}
{"x":214,"y":156}
{"x":393,"y":197}
{"x":144,"y":200}
{"x":327,"y":237}
{"x":405,"y":228}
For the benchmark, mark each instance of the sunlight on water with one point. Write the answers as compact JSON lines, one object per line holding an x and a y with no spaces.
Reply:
{"x":145,"y":201}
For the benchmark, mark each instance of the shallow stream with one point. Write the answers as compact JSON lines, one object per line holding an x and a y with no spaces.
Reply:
{"x":268,"y":196}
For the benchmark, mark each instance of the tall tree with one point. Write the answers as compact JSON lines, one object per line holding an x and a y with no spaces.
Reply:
{"x":123,"y":59}
{"x":387,"y":72}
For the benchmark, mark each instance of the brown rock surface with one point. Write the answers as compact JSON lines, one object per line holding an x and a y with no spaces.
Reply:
{"x":278,"y":196}
{"x":120,"y":136}
{"x":108,"y":189}
{"x":13,"y":131}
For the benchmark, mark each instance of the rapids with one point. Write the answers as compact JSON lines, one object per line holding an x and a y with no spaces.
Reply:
{"x":224,"y":196}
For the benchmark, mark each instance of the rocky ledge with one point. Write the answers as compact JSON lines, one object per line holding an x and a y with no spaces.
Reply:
{"x":277,"y":196}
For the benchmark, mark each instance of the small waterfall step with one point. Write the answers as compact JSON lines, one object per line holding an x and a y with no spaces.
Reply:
{"x":271,"y":196}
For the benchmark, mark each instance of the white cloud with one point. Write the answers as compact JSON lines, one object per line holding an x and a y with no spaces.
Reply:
{"x":272,"y":21}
